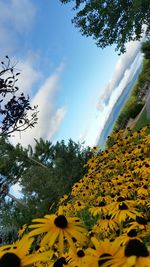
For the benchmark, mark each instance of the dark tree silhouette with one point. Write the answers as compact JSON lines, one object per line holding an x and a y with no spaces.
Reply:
{"x":16,"y":113}
{"x":112,"y":21}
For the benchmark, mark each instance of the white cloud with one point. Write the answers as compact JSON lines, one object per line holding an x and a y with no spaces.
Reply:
{"x":124,"y":62}
{"x":28,"y":75}
{"x":50,"y":117}
{"x":127,"y":77}
{"x":17,"y":15}
{"x":16,"y":20}
{"x":124,"y":72}
{"x":83,"y":135}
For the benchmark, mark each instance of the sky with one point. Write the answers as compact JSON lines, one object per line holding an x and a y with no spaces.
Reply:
{"x":74,"y":83}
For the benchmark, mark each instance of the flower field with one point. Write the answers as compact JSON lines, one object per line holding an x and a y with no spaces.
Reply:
{"x":104,"y":221}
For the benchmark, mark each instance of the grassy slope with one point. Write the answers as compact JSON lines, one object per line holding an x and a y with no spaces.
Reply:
{"x":142,"y":121}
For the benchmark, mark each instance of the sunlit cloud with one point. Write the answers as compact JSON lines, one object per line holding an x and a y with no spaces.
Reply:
{"x":28,"y":75}
{"x":123,"y":64}
{"x":50,"y":116}
{"x":127,"y":77}
{"x":124,"y":71}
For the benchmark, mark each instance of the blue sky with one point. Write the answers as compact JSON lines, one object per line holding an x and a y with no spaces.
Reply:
{"x":74,"y":83}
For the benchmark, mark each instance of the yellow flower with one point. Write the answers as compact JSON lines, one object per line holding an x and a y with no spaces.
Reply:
{"x":63,"y":198}
{"x":122,"y":211}
{"x":79,"y":205}
{"x":59,"y":228}
{"x":21,"y":231}
{"x":59,"y":262}
{"x":124,"y":238}
{"x":140,"y":223}
{"x":105,"y":227}
{"x":134,"y":254}
{"x":17,"y":255}
{"x":77,"y":259}
{"x":104,"y":250}
{"x":143,"y":191}
{"x":101,"y":208}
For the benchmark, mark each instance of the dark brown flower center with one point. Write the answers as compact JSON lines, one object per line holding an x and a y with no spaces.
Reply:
{"x":123,"y":206}
{"x":80,"y":253}
{"x":136,"y":248}
{"x":102,"y":203}
{"x":102,"y":258}
{"x":132,"y":233}
{"x":61,"y":221}
{"x":10,"y":260}
{"x":74,"y":239}
{"x":141,"y":220}
{"x":145,"y":187}
{"x":120,"y":199}
{"x":60,"y":262}
{"x":108,"y":217}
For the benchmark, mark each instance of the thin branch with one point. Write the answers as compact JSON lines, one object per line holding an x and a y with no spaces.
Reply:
{"x":39,"y":163}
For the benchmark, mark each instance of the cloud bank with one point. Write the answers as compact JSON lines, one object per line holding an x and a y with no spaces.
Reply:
{"x":124,"y":72}
{"x":50,"y":116}
{"x":122,"y":67}
{"x":125,"y":69}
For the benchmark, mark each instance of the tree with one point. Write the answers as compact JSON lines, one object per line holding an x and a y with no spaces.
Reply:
{"x":146,"y":49}
{"x":16,"y":114}
{"x":112,"y":21}
{"x":45,"y":174}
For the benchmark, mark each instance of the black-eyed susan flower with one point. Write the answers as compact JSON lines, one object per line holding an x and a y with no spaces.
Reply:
{"x":21,"y":231}
{"x":101,"y":208}
{"x":132,"y":234}
{"x":79,"y":205}
{"x":140,"y":223}
{"x":123,"y":211}
{"x":107,"y":224}
{"x":59,"y":228}
{"x":134,"y":254}
{"x":102,"y":252}
{"x":143,"y":191}
{"x":17,"y":255}
{"x":59,"y":262}
{"x":79,"y":258}
{"x":63,"y":198}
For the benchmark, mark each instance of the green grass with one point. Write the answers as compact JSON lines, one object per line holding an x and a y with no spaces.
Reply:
{"x":142,"y":121}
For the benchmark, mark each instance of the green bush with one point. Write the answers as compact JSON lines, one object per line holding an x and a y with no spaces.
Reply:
{"x":135,"y":110}
{"x":146,"y":49}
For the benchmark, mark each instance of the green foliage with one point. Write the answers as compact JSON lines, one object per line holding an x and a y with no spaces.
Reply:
{"x":110,"y":141}
{"x":45,"y":174}
{"x":146,"y":49}
{"x":10,"y":167}
{"x":136,"y":110}
{"x":142,"y":121}
{"x":112,"y":22}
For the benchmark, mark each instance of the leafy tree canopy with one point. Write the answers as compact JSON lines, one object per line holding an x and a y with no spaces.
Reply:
{"x":44,"y":173}
{"x":112,"y":21}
